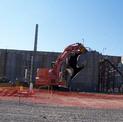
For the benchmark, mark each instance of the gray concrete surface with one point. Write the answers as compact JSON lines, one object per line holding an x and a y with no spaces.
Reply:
{"x":87,"y":79}
{"x":13,"y":112}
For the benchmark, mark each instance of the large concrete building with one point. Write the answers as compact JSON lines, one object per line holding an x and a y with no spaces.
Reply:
{"x":89,"y":78}
{"x":16,"y":65}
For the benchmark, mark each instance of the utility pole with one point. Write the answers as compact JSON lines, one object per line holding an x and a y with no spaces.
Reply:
{"x":36,"y":38}
{"x":33,"y":68}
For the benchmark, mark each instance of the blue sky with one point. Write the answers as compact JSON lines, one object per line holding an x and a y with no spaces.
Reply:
{"x":62,"y":22}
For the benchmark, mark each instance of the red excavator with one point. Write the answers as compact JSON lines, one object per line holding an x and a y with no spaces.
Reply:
{"x":64,"y":68}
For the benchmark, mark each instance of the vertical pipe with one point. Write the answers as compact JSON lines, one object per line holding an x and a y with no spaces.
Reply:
{"x":36,"y":38}
{"x":33,"y":68}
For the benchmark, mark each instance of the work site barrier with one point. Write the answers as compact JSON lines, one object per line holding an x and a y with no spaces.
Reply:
{"x":22,"y":96}
{"x":15,"y":91}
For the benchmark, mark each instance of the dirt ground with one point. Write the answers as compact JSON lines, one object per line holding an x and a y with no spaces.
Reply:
{"x":14,"y":112}
{"x":54,"y":106}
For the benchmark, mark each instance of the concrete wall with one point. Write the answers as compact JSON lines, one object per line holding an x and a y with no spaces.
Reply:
{"x":14,"y":62}
{"x":87,"y":78}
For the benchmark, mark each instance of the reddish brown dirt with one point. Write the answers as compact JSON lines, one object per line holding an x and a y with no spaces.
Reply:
{"x":83,"y":100}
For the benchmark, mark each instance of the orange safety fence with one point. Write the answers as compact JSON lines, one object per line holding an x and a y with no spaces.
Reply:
{"x":15,"y":91}
{"x":60,"y":98}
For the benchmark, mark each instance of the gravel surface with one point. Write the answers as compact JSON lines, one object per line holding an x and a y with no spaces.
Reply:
{"x":23,"y":112}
